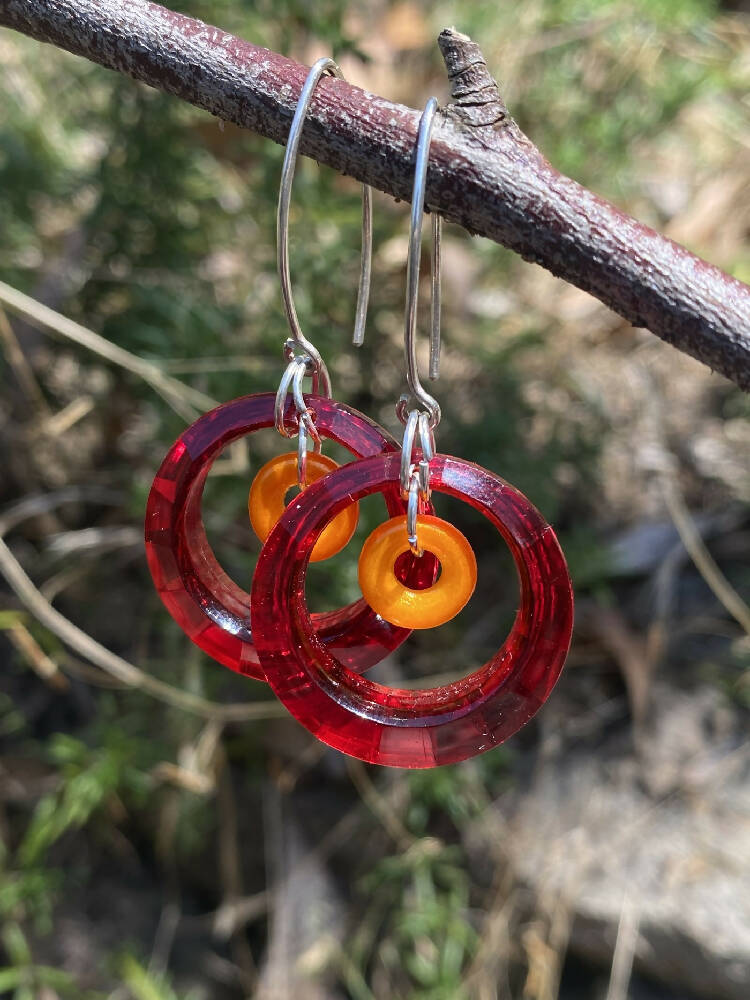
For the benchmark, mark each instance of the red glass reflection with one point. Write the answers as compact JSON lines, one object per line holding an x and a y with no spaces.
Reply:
{"x":209,"y":607}
{"x":406,"y":728}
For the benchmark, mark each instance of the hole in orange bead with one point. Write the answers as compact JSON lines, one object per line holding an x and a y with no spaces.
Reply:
{"x":291,"y":493}
{"x":415,"y":572}
{"x":407,"y":606}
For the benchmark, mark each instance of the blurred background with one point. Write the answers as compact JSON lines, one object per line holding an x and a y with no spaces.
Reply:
{"x":153,"y":853}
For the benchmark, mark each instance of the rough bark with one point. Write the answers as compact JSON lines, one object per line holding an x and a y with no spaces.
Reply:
{"x":485,"y":174}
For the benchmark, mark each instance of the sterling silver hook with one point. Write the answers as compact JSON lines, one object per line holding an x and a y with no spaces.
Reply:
{"x":322,"y":66}
{"x":423,"y":398}
{"x":425,"y":416}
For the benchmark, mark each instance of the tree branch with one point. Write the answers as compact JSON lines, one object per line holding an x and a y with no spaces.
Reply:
{"x":485,"y":174}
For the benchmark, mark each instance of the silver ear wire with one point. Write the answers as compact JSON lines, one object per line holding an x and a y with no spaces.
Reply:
{"x":425,"y":416}
{"x":322,"y":66}
{"x":420,"y":394}
{"x":365,"y":269}
{"x":437,"y":237}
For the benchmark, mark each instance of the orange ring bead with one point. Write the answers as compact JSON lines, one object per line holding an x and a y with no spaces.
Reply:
{"x":266,"y":501}
{"x":399,"y":604}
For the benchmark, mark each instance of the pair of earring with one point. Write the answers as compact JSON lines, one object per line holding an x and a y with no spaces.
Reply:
{"x":416,"y":570}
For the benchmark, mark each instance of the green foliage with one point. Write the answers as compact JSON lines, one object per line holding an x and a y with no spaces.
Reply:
{"x":589,"y":563}
{"x":89,"y":779}
{"x":23,"y":979}
{"x":602,"y":76}
{"x":418,"y":903}
{"x":145,"y":985}
{"x":12,"y":721}
{"x":29,"y":893}
{"x":435,"y":794}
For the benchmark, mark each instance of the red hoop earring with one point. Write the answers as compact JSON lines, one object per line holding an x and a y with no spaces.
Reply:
{"x":209,"y":607}
{"x":405,"y":728}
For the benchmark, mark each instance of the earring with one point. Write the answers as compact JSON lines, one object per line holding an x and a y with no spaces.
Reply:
{"x":210,"y":607}
{"x":407,"y":728}
{"x":266,"y":500}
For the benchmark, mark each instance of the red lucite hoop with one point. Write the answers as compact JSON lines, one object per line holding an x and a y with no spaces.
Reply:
{"x":207,"y":605}
{"x":404,"y":728}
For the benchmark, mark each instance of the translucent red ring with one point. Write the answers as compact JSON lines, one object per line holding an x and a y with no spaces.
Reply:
{"x":405,"y":728}
{"x":209,"y":607}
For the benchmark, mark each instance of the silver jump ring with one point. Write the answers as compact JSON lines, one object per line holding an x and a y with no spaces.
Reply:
{"x":322,"y":66}
{"x":407,"y":449}
{"x":412,"y":514}
{"x":423,"y":478}
{"x":290,"y":354}
{"x":295,"y":372}
{"x":426,"y":437}
{"x":416,"y":420}
{"x":305,"y":415}
{"x":302,"y":455}
{"x":283,"y":391}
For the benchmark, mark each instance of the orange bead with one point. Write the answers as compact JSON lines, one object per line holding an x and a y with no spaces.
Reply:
{"x":267,"y":501}
{"x":396,"y":602}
